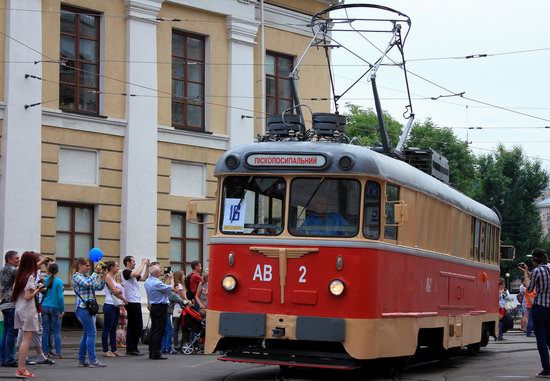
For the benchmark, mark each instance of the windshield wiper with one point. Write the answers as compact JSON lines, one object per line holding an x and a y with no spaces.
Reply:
{"x":311,"y":197}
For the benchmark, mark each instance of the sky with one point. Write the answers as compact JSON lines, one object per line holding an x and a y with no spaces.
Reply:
{"x":519,"y":82}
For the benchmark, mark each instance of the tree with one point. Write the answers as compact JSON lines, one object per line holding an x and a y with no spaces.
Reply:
{"x":363,"y":125}
{"x":462,"y":162}
{"x":511,"y":183}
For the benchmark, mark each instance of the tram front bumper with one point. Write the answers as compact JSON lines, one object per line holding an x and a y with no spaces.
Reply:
{"x":232,"y":324}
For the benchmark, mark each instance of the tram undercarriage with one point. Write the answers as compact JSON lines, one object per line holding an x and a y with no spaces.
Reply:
{"x":342,"y":343}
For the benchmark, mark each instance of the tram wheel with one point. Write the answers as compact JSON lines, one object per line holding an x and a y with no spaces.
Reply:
{"x":473,"y":349}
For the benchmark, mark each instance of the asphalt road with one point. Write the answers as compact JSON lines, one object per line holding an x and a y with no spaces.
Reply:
{"x":516,"y":359}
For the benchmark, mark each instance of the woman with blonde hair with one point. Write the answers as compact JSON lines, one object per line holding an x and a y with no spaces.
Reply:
{"x":179,"y":289}
{"x":114,"y":297}
{"x":85,"y":285}
{"x":25,"y":289}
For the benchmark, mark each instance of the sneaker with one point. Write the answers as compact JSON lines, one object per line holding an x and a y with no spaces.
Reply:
{"x":543,"y":374}
{"x":172,"y":352}
{"x":30,"y":362}
{"x":84,"y":364}
{"x":46,"y":361}
{"x":97,"y":364}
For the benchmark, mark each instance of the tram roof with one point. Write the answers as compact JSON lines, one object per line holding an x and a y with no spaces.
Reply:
{"x":366,"y":162}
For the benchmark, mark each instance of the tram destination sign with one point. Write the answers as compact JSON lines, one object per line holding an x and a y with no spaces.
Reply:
{"x":286,"y":160}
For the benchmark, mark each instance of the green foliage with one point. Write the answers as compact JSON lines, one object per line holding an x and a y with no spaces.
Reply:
{"x":462,"y":163}
{"x":511,"y":183}
{"x":363,"y":125}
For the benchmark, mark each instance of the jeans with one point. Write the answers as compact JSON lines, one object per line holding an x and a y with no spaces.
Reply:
{"x":177,"y":328}
{"x":541,"y":323}
{"x":111,"y":314}
{"x":7,"y":345}
{"x":134,"y":326}
{"x":159,"y":317}
{"x":529,"y":329}
{"x":167,"y":339}
{"x":51,"y":323}
{"x":87,"y":342}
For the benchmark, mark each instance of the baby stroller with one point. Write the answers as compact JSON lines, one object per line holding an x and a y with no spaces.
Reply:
{"x":192,"y":321}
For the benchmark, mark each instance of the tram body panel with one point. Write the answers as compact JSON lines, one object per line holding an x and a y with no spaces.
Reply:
{"x":389,"y":295}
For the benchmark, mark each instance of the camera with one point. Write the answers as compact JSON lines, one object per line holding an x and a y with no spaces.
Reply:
{"x":167,"y":270}
{"x":40,"y":284}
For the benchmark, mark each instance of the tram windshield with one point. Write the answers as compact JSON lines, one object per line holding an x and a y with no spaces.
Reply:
{"x":324,"y":207}
{"x":253,"y":205}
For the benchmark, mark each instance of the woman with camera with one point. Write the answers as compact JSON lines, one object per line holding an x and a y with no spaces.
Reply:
{"x":25,"y":289}
{"x":53,"y":307}
{"x":85,"y":285}
{"x":114,"y":297}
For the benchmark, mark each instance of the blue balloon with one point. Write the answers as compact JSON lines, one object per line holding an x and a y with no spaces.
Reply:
{"x":95,"y":254}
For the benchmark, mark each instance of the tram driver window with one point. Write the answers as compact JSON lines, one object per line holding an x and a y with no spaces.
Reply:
{"x":371,"y":223}
{"x":323,"y":207}
{"x":252,"y":205}
{"x":392,"y":198}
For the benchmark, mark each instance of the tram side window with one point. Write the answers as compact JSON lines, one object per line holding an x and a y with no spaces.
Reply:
{"x":482,"y":238}
{"x":371,"y":223}
{"x":252,"y":205}
{"x":473,"y":239}
{"x":477,"y":239}
{"x":392,"y":198}
{"x":324,"y":207}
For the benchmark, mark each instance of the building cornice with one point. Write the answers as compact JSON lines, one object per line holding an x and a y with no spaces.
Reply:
{"x":285,"y":19}
{"x":143,"y":10}
{"x":214,"y":141}
{"x":60,"y":119}
{"x":241,"y":30}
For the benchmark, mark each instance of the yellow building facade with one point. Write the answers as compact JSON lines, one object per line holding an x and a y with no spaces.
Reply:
{"x":114,"y":113}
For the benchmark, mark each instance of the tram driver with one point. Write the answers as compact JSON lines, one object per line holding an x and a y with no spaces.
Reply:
{"x":324,"y":220}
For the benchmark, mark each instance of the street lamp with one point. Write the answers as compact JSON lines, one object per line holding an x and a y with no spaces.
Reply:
{"x":507,"y":275}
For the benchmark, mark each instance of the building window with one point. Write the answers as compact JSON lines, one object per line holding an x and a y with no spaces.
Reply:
{"x":278,"y":85}
{"x":188,"y":81}
{"x":74,"y":236}
{"x":79,"y":75}
{"x":185,"y":243}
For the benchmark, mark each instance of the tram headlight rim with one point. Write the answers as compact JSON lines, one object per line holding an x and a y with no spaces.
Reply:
{"x":229,"y":283}
{"x":336,"y":283}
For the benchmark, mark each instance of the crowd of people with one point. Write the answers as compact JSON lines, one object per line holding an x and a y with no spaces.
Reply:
{"x":32,"y":305}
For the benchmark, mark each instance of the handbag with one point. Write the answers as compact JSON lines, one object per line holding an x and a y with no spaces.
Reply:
{"x":146,"y":333}
{"x":177,"y":311}
{"x":91,"y":304}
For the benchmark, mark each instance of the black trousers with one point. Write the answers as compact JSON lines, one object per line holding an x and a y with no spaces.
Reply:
{"x":134,"y":326}
{"x":159,"y":314}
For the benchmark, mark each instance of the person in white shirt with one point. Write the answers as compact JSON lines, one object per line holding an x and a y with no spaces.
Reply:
{"x":130,"y":278}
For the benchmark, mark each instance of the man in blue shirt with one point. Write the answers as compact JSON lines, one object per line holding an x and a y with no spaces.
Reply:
{"x":325,"y":222}
{"x":158,"y":293}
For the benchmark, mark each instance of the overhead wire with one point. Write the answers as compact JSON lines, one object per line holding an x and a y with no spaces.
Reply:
{"x":253,"y":111}
{"x":448,"y":90}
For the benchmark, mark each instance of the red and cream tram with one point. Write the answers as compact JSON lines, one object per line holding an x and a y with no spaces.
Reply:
{"x":326,"y":254}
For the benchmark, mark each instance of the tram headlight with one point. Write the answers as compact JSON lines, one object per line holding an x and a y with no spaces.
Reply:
{"x":229,"y":283}
{"x":336,"y":287}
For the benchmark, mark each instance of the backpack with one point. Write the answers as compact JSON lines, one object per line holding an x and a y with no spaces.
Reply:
{"x":189,"y":294}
